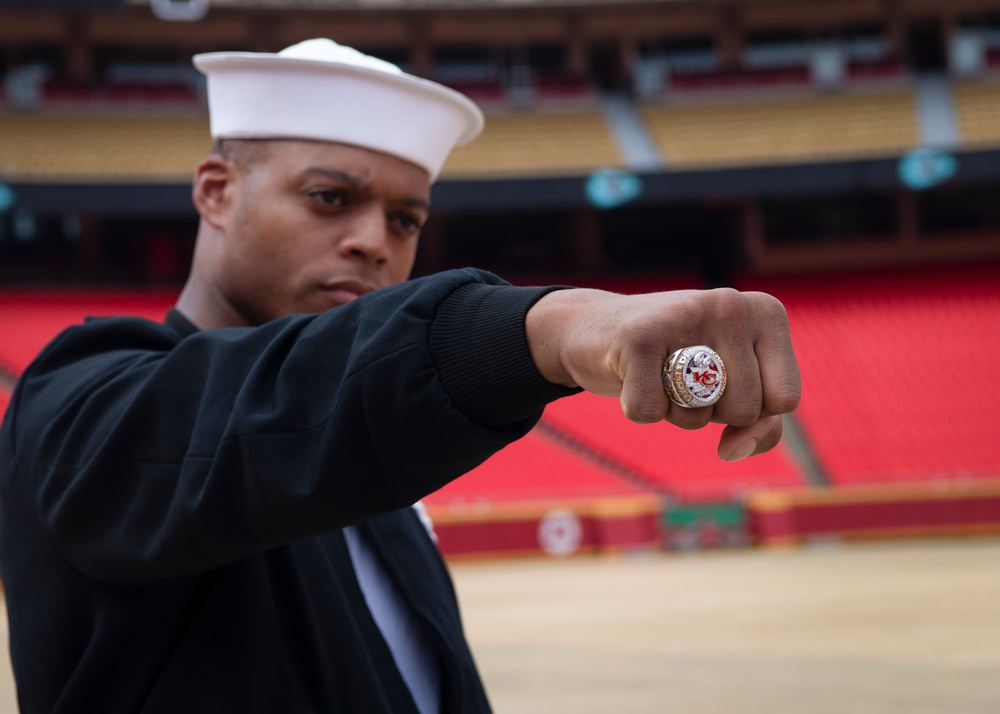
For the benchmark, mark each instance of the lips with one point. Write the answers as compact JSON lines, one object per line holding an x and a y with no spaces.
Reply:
{"x":343,"y":291}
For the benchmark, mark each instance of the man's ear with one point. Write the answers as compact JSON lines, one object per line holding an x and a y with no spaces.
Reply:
{"x":212,"y":189}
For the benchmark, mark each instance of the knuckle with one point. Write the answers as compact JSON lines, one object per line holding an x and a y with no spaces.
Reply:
{"x":765,"y":301}
{"x":729,"y":305}
{"x":689,"y":314}
{"x":742,"y":412}
{"x":769,"y":310}
{"x":690,"y":419}
{"x":642,"y":335}
{"x":783,"y":399}
{"x":642,"y":412}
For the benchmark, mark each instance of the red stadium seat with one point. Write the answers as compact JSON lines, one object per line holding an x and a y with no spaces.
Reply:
{"x":885,"y":68}
{"x":533,"y":469}
{"x":893,"y":366}
{"x":30,"y":318}
{"x":683,"y":464}
{"x":740,"y":78}
{"x":898,"y":372}
{"x":66,"y":90}
{"x":563,"y":85}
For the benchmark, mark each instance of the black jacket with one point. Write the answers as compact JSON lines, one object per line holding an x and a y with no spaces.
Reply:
{"x":171,"y":500}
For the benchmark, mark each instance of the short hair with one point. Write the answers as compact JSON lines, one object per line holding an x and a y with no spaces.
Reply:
{"x":247,"y":154}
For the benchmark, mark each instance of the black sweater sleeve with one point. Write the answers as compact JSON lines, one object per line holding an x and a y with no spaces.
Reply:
{"x":147,"y":456}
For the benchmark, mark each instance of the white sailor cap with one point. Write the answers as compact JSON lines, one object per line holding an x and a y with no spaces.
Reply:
{"x":324,"y":91}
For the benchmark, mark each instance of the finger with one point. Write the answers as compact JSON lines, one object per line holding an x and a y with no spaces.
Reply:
{"x":740,"y":404}
{"x":739,"y":442}
{"x":779,"y":371}
{"x":684,"y":417}
{"x":642,"y":398}
{"x":689,"y":418}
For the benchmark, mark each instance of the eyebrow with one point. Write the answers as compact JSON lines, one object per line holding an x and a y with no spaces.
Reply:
{"x":359,"y":183}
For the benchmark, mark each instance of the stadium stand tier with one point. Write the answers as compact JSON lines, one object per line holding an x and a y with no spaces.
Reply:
{"x":902,"y":342}
{"x":125,"y":147}
{"x":977,"y":106}
{"x":107,"y":147}
{"x":755,"y":79}
{"x":29,"y":319}
{"x":897,"y":372}
{"x":785,"y":129}
{"x":536,"y":468}
{"x":681,"y":464}
{"x":539,"y":142}
{"x":738,"y":131}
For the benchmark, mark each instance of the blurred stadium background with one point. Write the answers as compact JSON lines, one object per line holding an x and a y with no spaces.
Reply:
{"x":843,"y":155}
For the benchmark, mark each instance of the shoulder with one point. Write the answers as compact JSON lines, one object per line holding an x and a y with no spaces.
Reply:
{"x":98,"y":336}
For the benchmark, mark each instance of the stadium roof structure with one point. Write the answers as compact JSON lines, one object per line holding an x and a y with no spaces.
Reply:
{"x":400,"y":4}
{"x":70,"y":5}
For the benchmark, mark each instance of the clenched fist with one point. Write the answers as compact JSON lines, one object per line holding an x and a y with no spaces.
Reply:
{"x":615,"y":345}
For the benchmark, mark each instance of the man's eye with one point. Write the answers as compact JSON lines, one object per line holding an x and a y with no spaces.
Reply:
{"x":330,"y":198}
{"x":410,"y":224}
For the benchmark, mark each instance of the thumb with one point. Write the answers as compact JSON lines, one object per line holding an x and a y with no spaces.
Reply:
{"x":739,"y":442}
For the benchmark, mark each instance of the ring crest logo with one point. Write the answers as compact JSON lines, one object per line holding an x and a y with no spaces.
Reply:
{"x":610,"y":188}
{"x":694,"y":376}
{"x":702,"y":375}
{"x":708,"y":378}
{"x":925,"y":168}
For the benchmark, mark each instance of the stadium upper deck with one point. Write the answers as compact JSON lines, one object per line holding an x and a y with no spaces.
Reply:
{"x":842,"y":76}
{"x":731,"y":115}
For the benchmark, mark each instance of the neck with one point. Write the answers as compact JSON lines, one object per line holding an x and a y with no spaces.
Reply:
{"x":203,"y":309}
{"x":204,"y":306}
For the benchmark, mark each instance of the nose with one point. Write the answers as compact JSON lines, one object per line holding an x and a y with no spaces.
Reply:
{"x":367,"y":237}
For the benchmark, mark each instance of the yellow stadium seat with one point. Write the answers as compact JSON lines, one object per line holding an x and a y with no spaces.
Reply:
{"x":51,"y":147}
{"x":783,"y":130}
{"x":546,"y":142}
{"x":978,"y":109}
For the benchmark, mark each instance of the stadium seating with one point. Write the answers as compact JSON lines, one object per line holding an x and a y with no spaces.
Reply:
{"x":682,"y":464}
{"x":884,"y":359}
{"x":67,"y":91}
{"x":746,"y":78}
{"x":533,"y":469}
{"x":897,"y":372}
{"x":56,"y":147}
{"x":889,"y":67}
{"x":154,"y":148}
{"x":787,"y":129}
{"x":977,"y":107}
{"x":487,"y":91}
{"x":29,"y":319}
{"x":563,"y":85}
{"x":538,"y":142}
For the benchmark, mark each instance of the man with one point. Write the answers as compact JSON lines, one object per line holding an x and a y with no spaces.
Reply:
{"x":213,"y":514}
